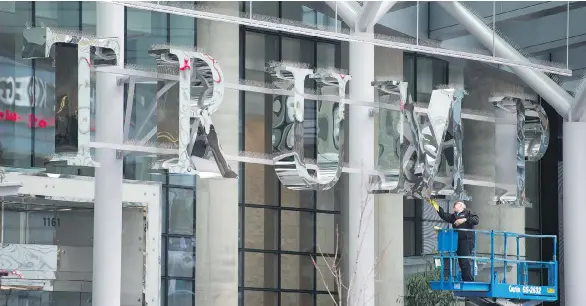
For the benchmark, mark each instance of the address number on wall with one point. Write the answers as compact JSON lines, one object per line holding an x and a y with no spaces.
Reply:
{"x":52,"y":222}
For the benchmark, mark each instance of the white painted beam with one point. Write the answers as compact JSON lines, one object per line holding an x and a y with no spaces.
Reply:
{"x":384,"y":8}
{"x":345,"y":10}
{"x":367,"y":15}
{"x":555,"y":95}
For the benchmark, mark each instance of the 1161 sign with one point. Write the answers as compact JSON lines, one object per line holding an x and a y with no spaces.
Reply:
{"x":51,"y":222}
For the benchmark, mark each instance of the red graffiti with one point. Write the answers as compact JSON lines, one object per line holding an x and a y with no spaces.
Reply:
{"x":185,"y":65}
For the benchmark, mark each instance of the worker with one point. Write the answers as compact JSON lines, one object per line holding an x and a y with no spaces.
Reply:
{"x":461,"y":218}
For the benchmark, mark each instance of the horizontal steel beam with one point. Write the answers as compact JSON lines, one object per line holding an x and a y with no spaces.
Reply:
{"x":327,"y":34}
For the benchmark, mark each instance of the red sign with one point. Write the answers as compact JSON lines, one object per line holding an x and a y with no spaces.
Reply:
{"x":31,"y":120}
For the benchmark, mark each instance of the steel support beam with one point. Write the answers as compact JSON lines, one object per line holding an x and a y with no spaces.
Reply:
{"x":556,"y":96}
{"x":384,"y":8}
{"x":579,"y":102}
{"x":345,"y":10}
{"x":366,"y":17}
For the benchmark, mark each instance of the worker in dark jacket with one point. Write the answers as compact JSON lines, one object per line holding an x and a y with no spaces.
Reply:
{"x":461,"y":218}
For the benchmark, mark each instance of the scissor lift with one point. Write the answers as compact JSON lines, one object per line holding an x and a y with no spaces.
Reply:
{"x":496,"y":291}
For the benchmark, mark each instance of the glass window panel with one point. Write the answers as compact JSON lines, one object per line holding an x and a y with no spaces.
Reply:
{"x":325,"y":279}
{"x":88,"y":13}
{"x":296,"y":272}
{"x":261,"y":228}
{"x":183,"y":32}
{"x":293,"y":10}
{"x":180,"y":293}
{"x":181,"y":254}
{"x":143,"y":29}
{"x":61,"y":14}
{"x":408,"y":208}
{"x":181,"y":211}
{"x":261,"y":298}
{"x":182,"y":180}
{"x":297,"y":198}
{"x":326,"y":55}
{"x":266,"y":8}
{"x":15,"y":78}
{"x":297,"y":231}
{"x":430,"y":72}
{"x":326,"y":228}
{"x":260,"y":185}
{"x":296,"y":299}
{"x":409,"y":72}
{"x":260,"y":270}
{"x":326,"y":300}
{"x":532,"y":214}
{"x":532,"y":247}
{"x":409,"y":238}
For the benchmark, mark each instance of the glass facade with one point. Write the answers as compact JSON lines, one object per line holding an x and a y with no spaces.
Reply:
{"x":285,"y":236}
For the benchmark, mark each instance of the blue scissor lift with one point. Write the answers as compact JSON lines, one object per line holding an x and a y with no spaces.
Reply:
{"x":495,"y":290}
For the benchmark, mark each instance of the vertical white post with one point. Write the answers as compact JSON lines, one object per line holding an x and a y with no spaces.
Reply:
{"x":361,"y":238}
{"x":574,"y":146}
{"x":107,"y":250}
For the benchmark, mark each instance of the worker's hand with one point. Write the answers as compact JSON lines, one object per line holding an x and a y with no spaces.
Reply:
{"x":460,"y":221}
{"x":433,"y":203}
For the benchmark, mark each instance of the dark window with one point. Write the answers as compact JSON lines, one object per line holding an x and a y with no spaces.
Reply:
{"x":282,"y":229}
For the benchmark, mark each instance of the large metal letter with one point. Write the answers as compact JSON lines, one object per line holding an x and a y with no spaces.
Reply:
{"x":422,"y":143}
{"x":521,"y":133}
{"x":290,"y":166}
{"x":91,"y":51}
{"x":201,"y":90}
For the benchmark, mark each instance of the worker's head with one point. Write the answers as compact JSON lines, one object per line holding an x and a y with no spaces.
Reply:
{"x":459,"y":207}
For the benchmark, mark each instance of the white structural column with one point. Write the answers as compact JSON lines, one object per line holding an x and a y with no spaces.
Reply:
{"x":574,"y":211}
{"x":217,"y":199}
{"x":361,"y":223}
{"x":388,"y":210}
{"x":107,"y":251}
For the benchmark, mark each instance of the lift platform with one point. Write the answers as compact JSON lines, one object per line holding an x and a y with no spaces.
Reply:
{"x":495,"y":288}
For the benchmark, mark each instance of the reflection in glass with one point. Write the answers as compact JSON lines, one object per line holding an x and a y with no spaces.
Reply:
{"x":297,"y":231}
{"x":260,"y":270}
{"x":181,"y":255}
{"x":180,"y":292}
{"x":261,"y":228}
{"x":181,"y":211}
{"x":297,"y":272}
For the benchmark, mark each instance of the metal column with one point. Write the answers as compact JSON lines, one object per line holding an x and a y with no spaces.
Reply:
{"x":361,"y":153}
{"x":574,"y":148}
{"x":107,"y":250}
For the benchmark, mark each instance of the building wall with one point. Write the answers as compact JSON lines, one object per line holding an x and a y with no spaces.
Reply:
{"x":280,"y":230}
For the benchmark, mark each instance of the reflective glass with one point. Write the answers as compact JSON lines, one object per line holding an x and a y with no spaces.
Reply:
{"x":144,"y":28}
{"x":181,"y":211}
{"x":260,"y":270}
{"x":297,"y":272}
{"x":297,"y":231}
{"x":261,"y":228}
{"x":180,"y":293}
{"x":181,"y":255}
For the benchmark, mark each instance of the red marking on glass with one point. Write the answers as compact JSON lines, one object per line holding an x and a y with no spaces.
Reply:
{"x":185,"y":65}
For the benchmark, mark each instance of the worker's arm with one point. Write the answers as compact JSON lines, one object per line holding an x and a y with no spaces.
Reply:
{"x":472,"y":218}
{"x":450,"y":218}
{"x":442,"y":214}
